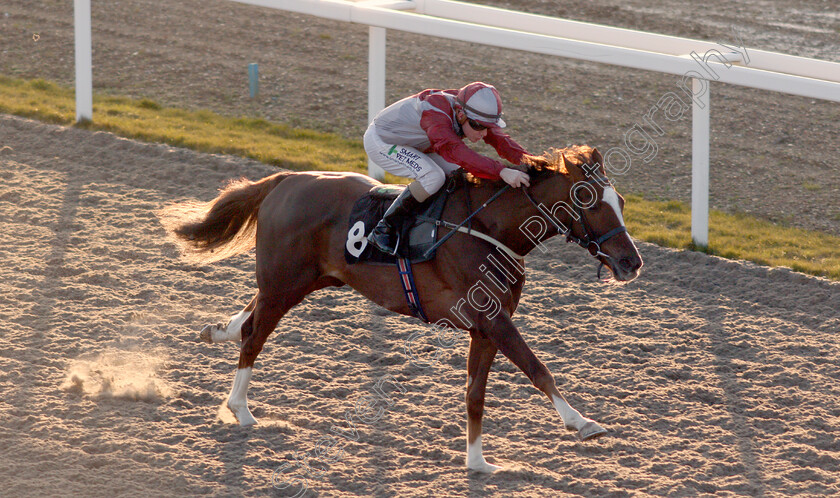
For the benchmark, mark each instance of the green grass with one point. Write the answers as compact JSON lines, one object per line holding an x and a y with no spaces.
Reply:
{"x":735,"y":236}
{"x":665,"y":223}
{"x":204,"y":131}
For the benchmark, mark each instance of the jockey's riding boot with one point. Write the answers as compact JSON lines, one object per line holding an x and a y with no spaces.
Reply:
{"x":384,"y":231}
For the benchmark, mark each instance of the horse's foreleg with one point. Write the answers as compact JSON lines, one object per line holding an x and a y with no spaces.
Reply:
{"x":506,"y":337}
{"x":230,"y":332}
{"x":482,"y":352}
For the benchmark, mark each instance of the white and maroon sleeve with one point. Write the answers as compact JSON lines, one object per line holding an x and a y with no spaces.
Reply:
{"x":505,"y":146}
{"x":438,"y":126}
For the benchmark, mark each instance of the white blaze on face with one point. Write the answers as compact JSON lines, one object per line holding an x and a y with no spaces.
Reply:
{"x":611,"y":198}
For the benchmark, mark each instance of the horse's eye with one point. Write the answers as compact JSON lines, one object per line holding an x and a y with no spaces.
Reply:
{"x":584,"y":195}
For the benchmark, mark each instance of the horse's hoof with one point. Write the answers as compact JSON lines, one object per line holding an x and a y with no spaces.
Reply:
{"x":247,"y":421}
{"x":206,"y":334}
{"x":591,"y":430}
{"x":243,"y":415}
{"x":485,"y":468}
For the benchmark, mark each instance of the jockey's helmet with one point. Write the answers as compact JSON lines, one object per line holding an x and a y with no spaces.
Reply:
{"x":481,"y":102}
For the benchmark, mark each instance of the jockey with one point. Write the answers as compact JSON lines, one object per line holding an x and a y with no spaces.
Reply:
{"x":422,"y":137}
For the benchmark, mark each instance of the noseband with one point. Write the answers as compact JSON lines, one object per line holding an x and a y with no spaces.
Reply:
{"x":589,"y":241}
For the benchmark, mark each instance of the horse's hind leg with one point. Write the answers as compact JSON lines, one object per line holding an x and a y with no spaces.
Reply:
{"x":257,"y":327}
{"x":230,"y":332}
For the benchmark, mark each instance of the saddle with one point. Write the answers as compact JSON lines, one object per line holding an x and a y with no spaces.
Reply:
{"x":417,"y":234}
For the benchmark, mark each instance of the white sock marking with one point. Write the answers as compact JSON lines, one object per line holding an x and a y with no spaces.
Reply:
{"x":476,"y":461}
{"x":570,"y":416}
{"x":474,"y":456}
{"x":239,"y":391}
{"x":233,"y":331}
{"x":238,"y":398}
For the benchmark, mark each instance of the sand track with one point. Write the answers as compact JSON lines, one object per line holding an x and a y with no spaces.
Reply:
{"x":712,"y":375}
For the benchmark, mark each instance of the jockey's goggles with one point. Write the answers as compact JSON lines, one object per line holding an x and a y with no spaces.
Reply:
{"x":475,"y":125}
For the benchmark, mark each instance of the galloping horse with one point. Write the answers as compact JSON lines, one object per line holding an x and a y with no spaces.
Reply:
{"x":298,"y":222}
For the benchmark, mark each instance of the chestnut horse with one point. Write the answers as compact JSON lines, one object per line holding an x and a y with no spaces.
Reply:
{"x":298,"y":223}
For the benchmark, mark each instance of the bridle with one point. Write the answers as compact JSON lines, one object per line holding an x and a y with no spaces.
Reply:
{"x":589,"y":241}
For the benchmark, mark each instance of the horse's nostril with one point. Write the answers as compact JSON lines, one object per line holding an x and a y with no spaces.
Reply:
{"x":629,"y":264}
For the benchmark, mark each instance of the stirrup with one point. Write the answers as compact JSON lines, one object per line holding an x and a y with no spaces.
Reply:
{"x":372,"y":240}
{"x":391,"y":222}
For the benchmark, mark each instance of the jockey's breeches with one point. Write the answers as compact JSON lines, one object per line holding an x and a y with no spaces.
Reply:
{"x":401,"y":160}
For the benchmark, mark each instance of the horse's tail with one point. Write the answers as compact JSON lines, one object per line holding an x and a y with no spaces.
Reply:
{"x":224,"y":226}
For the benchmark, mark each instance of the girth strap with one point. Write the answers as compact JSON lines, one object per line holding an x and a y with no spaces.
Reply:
{"x":410,"y":289}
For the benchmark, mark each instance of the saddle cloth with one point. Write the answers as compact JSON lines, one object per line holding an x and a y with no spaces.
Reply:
{"x":416,"y":237}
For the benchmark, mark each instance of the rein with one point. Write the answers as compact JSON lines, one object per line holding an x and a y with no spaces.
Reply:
{"x":589,"y":241}
{"x":460,"y":227}
{"x":475,"y":233}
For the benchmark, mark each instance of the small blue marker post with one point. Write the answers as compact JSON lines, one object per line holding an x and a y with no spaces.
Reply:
{"x":253,"y":78}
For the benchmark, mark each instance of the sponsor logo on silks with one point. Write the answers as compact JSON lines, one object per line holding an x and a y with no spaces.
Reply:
{"x":385,"y":190}
{"x":394,"y":148}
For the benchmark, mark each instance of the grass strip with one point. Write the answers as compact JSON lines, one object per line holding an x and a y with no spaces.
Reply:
{"x":735,"y":236}
{"x":666,"y":223}
{"x":205,"y":131}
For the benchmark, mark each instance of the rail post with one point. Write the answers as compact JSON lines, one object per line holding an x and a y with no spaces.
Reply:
{"x":376,"y":85}
{"x":84,"y":64}
{"x":700,"y":112}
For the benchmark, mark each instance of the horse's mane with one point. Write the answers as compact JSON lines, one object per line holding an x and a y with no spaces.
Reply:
{"x":549,"y":163}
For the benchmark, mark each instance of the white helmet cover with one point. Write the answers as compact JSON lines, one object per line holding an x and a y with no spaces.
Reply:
{"x":481,"y":102}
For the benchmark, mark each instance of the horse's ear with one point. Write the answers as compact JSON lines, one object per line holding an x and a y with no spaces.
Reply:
{"x":597,"y":158}
{"x":565,"y":165}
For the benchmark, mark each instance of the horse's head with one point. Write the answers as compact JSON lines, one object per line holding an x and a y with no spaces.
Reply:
{"x":572,"y":186}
